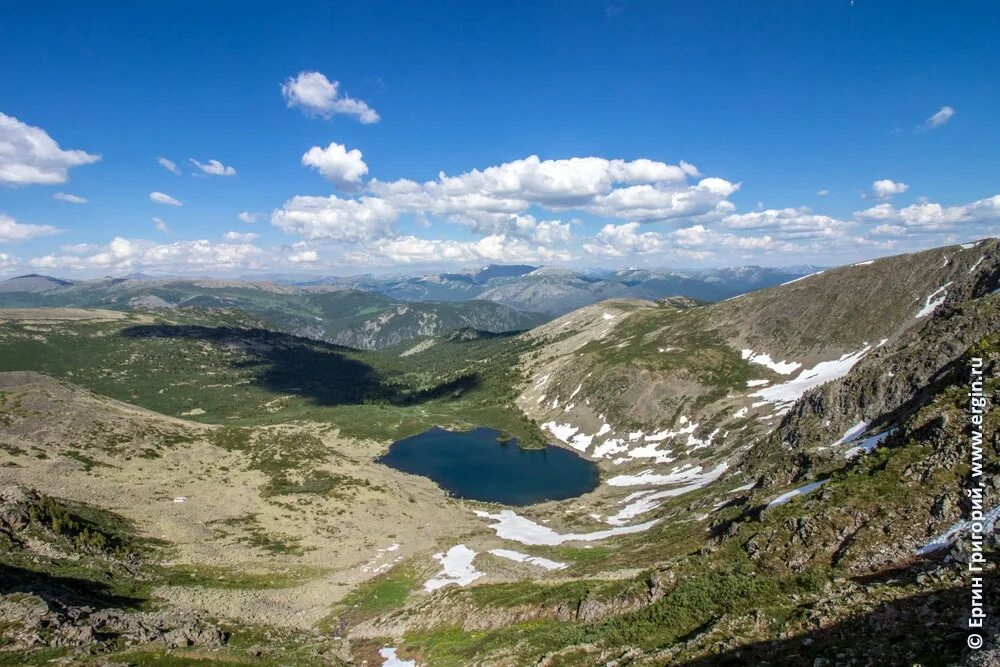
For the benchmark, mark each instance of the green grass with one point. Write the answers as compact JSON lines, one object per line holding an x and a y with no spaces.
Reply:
{"x":252,"y":377}
{"x":373,"y":597}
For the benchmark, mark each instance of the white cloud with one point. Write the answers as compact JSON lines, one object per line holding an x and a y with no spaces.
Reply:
{"x":696,"y":242}
{"x":942,"y":116}
{"x":650,"y":190}
{"x":66,"y":197}
{"x":29,"y":156}
{"x":8,"y":262}
{"x":242,"y":237}
{"x":169,"y":165}
{"x":787,"y":223}
{"x":886,"y":188}
{"x":123,"y":254}
{"x":304,"y":257}
{"x":11,"y":230}
{"x":929,"y":216}
{"x":823,"y":193}
{"x":344,"y":168}
{"x":316,"y":95}
{"x":161,"y":198}
{"x":494,"y":248}
{"x":248,"y":217}
{"x":333,"y":218}
{"x":213,"y":168}
{"x":161,"y":225}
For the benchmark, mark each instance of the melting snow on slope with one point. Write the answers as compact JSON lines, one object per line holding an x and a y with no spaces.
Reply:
{"x":932,"y":303}
{"x":780,"y":367}
{"x":795,"y":280}
{"x":607,"y":316}
{"x":644,"y":501}
{"x":801,"y":491}
{"x":456,"y":568}
{"x":758,"y":383}
{"x":684,"y":474}
{"x":976,"y":265}
{"x":511,"y":526}
{"x":786,"y":393}
{"x":851,"y":433}
{"x":389,"y":658}
{"x":947,"y":537}
{"x":868,"y":444}
{"x":519,"y":557}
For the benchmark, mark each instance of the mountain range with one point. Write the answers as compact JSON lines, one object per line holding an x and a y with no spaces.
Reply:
{"x":783,"y":477}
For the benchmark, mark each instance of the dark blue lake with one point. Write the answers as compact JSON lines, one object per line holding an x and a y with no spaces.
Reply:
{"x":475,"y":465}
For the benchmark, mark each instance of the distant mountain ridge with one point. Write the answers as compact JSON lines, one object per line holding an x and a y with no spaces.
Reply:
{"x":355,"y":318}
{"x":556,"y":291}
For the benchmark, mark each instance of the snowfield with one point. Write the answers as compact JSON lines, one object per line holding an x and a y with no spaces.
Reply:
{"x":519,"y":557}
{"x":779,"y":367}
{"x":933,"y":301}
{"x":785,"y":498}
{"x":511,"y":526}
{"x":785,"y":394}
{"x":456,"y":568}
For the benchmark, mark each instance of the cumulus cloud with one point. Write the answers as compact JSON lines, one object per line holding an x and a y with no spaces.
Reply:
{"x":169,"y":165}
{"x":12,"y":230}
{"x":304,"y":257}
{"x":248,"y":217}
{"x":641,"y":189}
{"x":242,"y":237}
{"x":696,"y":242}
{"x":886,"y":188}
{"x":929,"y":216}
{"x":123,"y":254}
{"x":161,"y":225}
{"x":800,"y":223}
{"x":495,"y":248}
{"x":317,"y":95}
{"x":942,"y":116}
{"x":344,"y":168}
{"x":333,"y":218}
{"x":66,"y":197}
{"x":8,"y":262}
{"x":213,"y":168}
{"x":29,"y":156}
{"x":161,"y":198}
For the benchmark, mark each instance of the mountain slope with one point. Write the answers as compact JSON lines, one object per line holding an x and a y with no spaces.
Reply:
{"x":674,"y":383}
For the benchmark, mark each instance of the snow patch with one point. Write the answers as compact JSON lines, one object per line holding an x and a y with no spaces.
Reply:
{"x":456,"y":568}
{"x":932,"y":303}
{"x":785,"y":498}
{"x":508,"y":525}
{"x":644,"y":501}
{"x":686,"y":473}
{"x":851,"y":433}
{"x":607,"y":316}
{"x":519,"y":557}
{"x":758,"y":383}
{"x":785,"y":394}
{"x":947,"y":537}
{"x":764,"y":359}
{"x":389,"y":658}
{"x":868,"y":444}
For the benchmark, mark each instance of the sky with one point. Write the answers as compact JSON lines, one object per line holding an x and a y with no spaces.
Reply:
{"x":259,"y":138}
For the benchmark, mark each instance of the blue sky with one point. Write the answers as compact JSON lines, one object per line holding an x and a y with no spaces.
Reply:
{"x":666,"y":134}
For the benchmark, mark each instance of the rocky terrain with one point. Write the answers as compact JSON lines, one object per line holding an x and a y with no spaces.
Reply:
{"x":783,"y":481}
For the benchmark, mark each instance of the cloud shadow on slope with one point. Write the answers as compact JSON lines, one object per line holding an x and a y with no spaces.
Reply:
{"x":328,"y":374}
